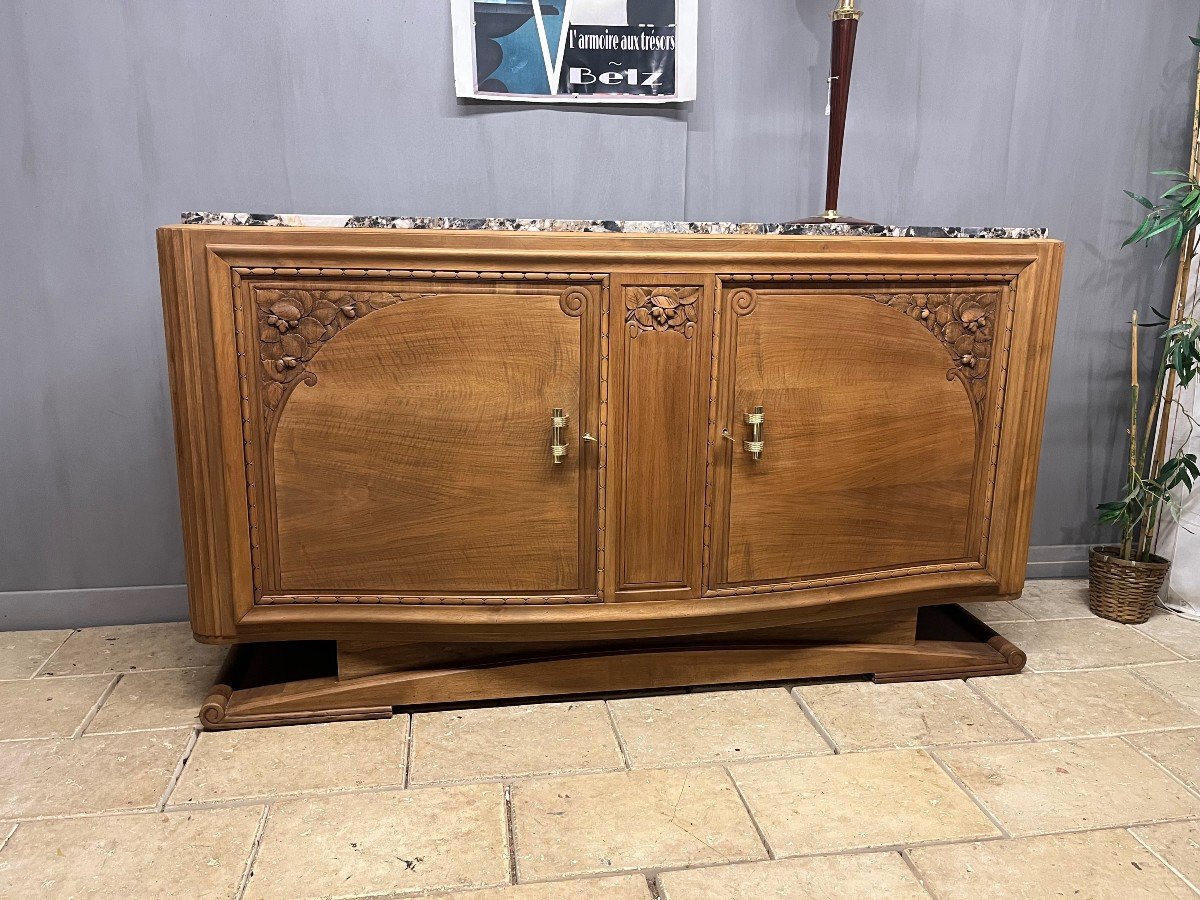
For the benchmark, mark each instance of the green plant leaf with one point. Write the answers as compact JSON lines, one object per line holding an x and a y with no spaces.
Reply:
{"x":1142,"y":233}
{"x":1181,"y":351}
{"x":1191,"y":470}
{"x":1140,"y":199}
{"x":1177,"y":238}
{"x":1164,"y":224}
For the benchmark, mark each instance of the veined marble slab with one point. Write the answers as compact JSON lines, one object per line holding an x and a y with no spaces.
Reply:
{"x":603,"y":225}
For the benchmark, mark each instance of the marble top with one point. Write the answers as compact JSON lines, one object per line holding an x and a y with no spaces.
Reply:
{"x":606,"y":226}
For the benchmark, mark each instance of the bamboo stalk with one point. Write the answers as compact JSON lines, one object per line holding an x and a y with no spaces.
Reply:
{"x":1128,"y":530}
{"x":1133,"y":380}
{"x":1148,"y":537}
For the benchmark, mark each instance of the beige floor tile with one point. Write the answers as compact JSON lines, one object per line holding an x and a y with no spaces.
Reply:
{"x":1069,"y":785}
{"x":1176,"y":842}
{"x":1176,"y":751}
{"x":859,"y":876}
{"x":198,"y":854}
{"x":857,"y":801}
{"x":1085,"y":704}
{"x":128,"y":648}
{"x":349,"y":845}
{"x":1047,"y":599}
{"x":860,"y":715}
{"x":153,"y":700}
{"x":1180,"y":634}
{"x":1099,"y":865}
{"x":266,"y":762}
{"x":619,"y":887}
{"x":651,"y":818}
{"x":714,"y":726}
{"x":45,"y":708}
{"x":23,"y":652}
{"x":73,"y":776}
{"x":997,"y":612}
{"x":1180,"y":681}
{"x":538,"y":739}
{"x":1083,"y":644}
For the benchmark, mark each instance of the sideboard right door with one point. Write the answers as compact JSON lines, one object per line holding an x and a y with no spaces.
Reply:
{"x":874,"y":412}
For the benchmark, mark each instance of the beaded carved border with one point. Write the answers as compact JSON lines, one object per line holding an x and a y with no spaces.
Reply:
{"x":602,"y":428}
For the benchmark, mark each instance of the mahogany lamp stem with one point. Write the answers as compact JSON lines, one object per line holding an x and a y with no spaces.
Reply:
{"x":845,"y":28}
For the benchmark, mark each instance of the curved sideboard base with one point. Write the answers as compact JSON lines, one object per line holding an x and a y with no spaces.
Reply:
{"x":322,"y":681}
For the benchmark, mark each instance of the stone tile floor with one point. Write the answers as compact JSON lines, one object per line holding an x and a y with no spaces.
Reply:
{"x":1080,"y":777}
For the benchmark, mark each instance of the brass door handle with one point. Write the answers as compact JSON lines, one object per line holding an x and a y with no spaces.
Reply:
{"x":558,"y":439}
{"x":754,"y":446}
{"x":559,"y":421}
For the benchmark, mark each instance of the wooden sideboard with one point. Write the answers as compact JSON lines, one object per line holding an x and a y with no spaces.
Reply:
{"x":430,"y":466}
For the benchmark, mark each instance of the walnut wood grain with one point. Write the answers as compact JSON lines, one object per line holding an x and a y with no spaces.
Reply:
{"x":357,"y":659}
{"x":847,"y":482}
{"x":418,"y":460}
{"x":267,"y":561}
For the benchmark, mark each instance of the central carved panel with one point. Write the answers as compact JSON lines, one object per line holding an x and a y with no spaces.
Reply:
{"x":661,"y":309}
{"x":660,"y":409}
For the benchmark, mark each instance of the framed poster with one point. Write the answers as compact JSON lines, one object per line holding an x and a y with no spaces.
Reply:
{"x":575,"y":51}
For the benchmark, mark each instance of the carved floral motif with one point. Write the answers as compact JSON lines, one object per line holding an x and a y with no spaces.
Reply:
{"x":661,"y":309}
{"x":294,"y":324}
{"x":963,"y":322}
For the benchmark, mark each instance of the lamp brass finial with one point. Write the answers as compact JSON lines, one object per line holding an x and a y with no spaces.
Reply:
{"x":845,"y":10}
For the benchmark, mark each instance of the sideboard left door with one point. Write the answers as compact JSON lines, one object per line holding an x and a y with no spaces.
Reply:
{"x":404,"y":437}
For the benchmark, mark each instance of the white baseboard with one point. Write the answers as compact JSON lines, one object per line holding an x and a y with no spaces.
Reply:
{"x":85,"y":607}
{"x":1058,"y":561}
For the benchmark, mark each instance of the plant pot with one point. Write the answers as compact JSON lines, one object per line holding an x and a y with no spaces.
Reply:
{"x":1122,"y":590}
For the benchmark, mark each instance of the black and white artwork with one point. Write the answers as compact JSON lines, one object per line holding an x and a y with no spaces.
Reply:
{"x":575,"y":51}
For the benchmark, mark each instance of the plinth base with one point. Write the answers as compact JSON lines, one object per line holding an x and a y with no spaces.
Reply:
{"x":296,"y":682}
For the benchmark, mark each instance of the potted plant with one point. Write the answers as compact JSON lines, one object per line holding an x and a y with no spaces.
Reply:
{"x":1125,"y":579}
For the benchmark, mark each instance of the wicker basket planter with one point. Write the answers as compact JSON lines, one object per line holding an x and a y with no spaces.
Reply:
{"x":1121,"y":590}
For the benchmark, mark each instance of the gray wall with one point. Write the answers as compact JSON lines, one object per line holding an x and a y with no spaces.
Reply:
{"x":115,"y":116}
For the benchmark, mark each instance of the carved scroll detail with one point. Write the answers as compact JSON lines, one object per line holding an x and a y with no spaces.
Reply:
{"x":293,"y":324}
{"x":963,"y":322}
{"x":573,"y":301}
{"x":743,"y":301}
{"x":661,"y":309}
